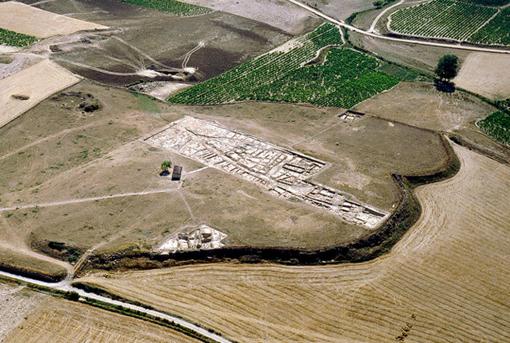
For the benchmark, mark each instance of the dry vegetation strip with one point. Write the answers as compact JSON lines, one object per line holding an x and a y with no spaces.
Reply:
{"x":37,"y":83}
{"x":445,"y":281}
{"x":29,"y":20}
{"x":62,"y":321}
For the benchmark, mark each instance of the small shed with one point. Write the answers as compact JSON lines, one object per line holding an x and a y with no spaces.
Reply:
{"x":176,"y":173}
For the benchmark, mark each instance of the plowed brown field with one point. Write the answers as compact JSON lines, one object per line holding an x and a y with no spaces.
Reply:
{"x":59,"y":321}
{"x":445,"y":281}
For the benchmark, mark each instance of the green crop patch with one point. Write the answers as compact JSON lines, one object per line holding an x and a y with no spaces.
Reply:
{"x":171,"y":6}
{"x":12,"y":38}
{"x":497,"y":125}
{"x":455,"y":20}
{"x":488,"y":2}
{"x":289,"y":74}
{"x":496,"y":32}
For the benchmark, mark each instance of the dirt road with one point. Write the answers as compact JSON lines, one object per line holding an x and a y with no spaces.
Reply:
{"x":77,"y":201}
{"x":66,"y":287}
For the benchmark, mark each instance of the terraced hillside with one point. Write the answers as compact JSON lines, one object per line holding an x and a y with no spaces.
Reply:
{"x":455,"y":20}
{"x":343,"y":78}
{"x":445,"y":281}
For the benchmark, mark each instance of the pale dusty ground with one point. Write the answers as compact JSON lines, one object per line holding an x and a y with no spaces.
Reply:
{"x":18,"y":17}
{"x":18,"y":62}
{"x":7,"y":49}
{"x":423,"y":106}
{"x":486,"y":74}
{"x":60,"y":321}
{"x":277,"y":13}
{"x":38,"y":82}
{"x":16,"y":302}
{"x":445,"y":281}
{"x":163,"y":92}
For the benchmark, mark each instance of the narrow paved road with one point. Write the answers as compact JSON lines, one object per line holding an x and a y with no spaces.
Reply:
{"x":67,"y":287}
{"x":394,"y":39}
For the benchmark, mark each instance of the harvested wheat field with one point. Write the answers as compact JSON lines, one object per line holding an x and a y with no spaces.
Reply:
{"x":16,"y":302}
{"x":486,"y":74}
{"x":445,"y":281}
{"x":22,"y":91}
{"x":29,"y":20}
{"x":58,"y":320}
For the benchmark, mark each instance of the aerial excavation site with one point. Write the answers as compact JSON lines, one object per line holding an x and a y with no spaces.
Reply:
{"x":255,"y":171}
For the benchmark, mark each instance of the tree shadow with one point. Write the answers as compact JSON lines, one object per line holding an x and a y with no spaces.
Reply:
{"x":444,"y":86}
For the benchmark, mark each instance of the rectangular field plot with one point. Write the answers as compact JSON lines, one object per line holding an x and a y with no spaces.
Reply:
{"x":283,"y":172}
{"x":300,"y":71}
{"x":18,"y":17}
{"x":24,"y":90}
{"x":448,"y":19}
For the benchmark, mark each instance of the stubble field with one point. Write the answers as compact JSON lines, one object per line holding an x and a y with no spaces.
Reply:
{"x":27,"y":316}
{"x":445,"y":281}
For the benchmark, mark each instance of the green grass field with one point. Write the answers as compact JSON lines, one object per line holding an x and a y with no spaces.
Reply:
{"x":343,"y":79}
{"x":171,"y":6}
{"x":12,"y":38}
{"x":497,"y":125}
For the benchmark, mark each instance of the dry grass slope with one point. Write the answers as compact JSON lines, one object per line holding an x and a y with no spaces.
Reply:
{"x":60,"y":321}
{"x":445,"y":281}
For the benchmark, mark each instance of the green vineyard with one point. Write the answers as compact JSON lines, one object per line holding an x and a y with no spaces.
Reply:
{"x":15,"y":39}
{"x":171,"y":6}
{"x":441,"y":19}
{"x":497,"y":125}
{"x":344,"y":79}
{"x":496,"y":32}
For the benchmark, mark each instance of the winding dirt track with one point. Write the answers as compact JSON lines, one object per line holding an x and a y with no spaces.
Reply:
{"x":445,"y":281}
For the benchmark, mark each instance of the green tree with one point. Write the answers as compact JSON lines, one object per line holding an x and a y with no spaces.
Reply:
{"x":165,"y":165}
{"x":72,"y":296}
{"x":447,"y":67}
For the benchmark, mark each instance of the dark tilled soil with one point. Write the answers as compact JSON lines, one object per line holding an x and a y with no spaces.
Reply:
{"x":229,"y":40}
